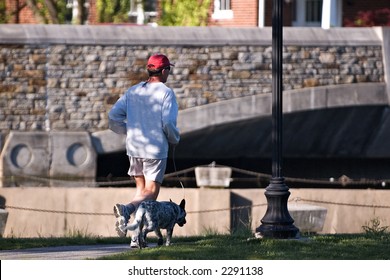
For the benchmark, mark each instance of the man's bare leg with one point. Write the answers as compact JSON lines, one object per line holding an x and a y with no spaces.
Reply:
{"x":146,"y":190}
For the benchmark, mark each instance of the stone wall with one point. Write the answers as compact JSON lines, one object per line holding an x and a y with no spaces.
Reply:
{"x":66,"y":78}
{"x":89,"y":210}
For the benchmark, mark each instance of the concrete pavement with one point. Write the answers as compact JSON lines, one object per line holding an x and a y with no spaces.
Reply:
{"x":66,"y":252}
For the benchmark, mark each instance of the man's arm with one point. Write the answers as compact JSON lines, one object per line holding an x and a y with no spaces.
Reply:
{"x":170,"y":112}
{"x":117,"y":116}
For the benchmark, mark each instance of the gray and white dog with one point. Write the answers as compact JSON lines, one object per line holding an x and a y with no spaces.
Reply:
{"x":153,"y":216}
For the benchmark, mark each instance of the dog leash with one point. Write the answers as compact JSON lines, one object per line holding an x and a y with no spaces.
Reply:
{"x":175,"y":169}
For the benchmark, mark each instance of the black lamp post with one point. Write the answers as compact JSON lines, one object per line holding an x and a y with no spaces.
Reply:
{"x":277,"y":222}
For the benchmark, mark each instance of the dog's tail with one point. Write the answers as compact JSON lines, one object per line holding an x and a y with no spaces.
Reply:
{"x":139,"y":215}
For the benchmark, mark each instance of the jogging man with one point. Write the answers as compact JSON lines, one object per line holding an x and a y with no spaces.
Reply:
{"x":147,"y":114}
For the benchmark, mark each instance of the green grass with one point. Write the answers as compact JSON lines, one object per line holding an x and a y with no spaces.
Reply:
{"x":235,"y":247}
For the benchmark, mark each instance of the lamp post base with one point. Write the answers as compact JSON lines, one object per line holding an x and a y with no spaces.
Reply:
{"x":277,"y":222}
{"x":277,"y":232}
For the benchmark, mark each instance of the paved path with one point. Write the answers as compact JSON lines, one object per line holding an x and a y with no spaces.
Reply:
{"x":65,"y":252}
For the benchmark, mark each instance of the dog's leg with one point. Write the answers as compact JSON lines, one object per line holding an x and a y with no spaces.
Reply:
{"x":144,"y":234}
{"x":136,"y":238}
{"x":169,"y":236}
{"x":141,"y":240}
{"x":134,"y":243}
{"x":160,"y":237}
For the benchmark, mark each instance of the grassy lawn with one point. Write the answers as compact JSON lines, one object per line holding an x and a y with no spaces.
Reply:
{"x":235,"y":247}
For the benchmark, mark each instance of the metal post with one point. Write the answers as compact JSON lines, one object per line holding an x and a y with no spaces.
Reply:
{"x":277,"y":222}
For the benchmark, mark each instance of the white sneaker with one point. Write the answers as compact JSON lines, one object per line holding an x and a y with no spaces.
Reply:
{"x":122,"y":214}
{"x":120,"y":227}
{"x":134,"y":242}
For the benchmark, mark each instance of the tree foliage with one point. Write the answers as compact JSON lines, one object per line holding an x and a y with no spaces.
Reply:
{"x":184,"y":12}
{"x":48,"y":11}
{"x":113,"y":11}
{"x":44,"y":11}
{"x":380,"y":17}
{"x":173,"y":12}
{"x":3,"y":14}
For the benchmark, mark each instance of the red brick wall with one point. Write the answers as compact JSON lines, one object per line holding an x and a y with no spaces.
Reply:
{"x":92,"y":17}
{"x":24,"y":16}
{"x":244,"y":11}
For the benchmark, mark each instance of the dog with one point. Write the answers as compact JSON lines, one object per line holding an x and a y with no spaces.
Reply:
{"x":154,"y":216}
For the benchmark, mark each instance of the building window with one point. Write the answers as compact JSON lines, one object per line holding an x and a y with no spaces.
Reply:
{"x":307,"y":12}
{"x":143,"y":12}
{"x":222,"y":10}
{"x":313,"y":11}
{"x":225,"y":4}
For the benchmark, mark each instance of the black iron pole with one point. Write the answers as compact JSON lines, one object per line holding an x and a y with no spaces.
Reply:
{"x":277,"y":222}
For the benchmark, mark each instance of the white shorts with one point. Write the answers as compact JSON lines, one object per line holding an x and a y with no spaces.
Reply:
{"x":151,"y":169}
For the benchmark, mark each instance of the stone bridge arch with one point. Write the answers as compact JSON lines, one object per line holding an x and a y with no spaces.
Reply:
{"x":202,"y":118}
{"x":345,"y":122}
{"x":335,"y":130}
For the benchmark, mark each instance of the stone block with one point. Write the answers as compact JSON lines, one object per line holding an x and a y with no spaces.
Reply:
{"x":40,"y":158}
{"x":73,"y":155}
{"x":213,"y":176}
{"x":24,"y":154}
{"x":308,"y":218}
{"x":108,"y":141}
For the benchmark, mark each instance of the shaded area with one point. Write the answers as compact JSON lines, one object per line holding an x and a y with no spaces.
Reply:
{"x":325,"y":133}
{"x":348,"y":142}
{"x":241,"y":213}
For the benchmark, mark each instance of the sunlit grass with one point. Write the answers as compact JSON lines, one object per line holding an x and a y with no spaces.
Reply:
{"x":232,"y":247}
{"x":225,"y":247}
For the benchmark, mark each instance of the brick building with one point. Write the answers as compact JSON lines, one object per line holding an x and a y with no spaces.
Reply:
{"x":18,"y":12}
{"x":240,"y":13}
{"x":325,"y":13}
